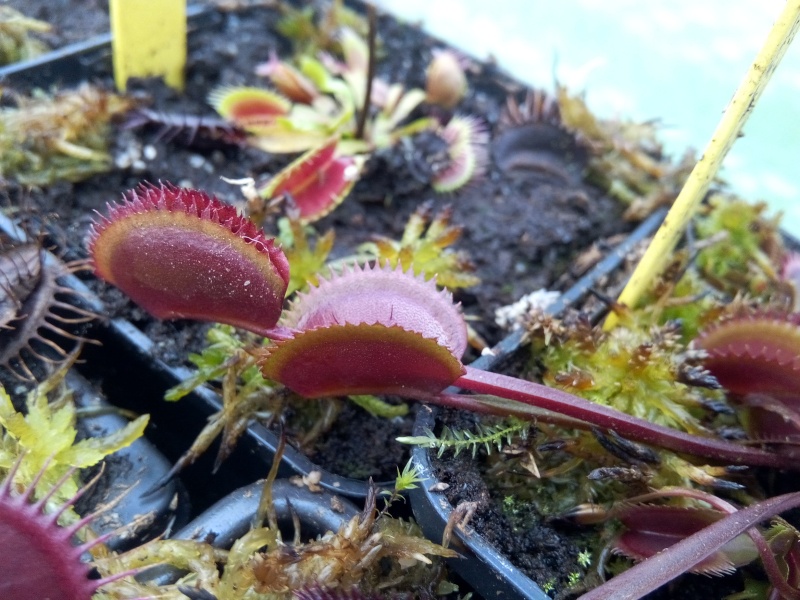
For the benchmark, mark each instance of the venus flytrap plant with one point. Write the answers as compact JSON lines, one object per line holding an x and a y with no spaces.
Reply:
{"x":296,"y":120}
{"x":466,"y":141}
{"x":274,"y":122}
{"x":318,"y":100}
{"x":249,"y":107}
{"x":371,"y":330}
{"x":323,"y":98}
{"x":650,"y":526}
{"x":37,"y":312}
{"x":779,"y":557}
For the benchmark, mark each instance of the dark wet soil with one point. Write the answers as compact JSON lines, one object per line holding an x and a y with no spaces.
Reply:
{"x":540,"y":551}
{"x":362,"y":446}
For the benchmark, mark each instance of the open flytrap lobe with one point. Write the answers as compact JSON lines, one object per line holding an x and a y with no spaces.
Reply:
{"x":368,"y":331}
{"x":179,"y":253}
{"x":756,"y":357}
{"x":317,"y":181}
{"x":756,"y":352}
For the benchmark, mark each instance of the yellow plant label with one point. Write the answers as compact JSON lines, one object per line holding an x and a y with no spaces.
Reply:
{"x":149,"y":40}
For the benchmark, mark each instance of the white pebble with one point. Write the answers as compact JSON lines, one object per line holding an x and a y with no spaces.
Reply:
{"x":123,"y":161}
{"x":511,"y":316}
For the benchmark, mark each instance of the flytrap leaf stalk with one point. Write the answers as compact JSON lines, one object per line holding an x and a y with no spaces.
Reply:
{"x":374,"y":330}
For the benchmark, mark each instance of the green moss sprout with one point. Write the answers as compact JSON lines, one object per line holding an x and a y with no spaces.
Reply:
{"x":425,"y":248}
{"x":489,"y":437}
{"x":370,"y":552}
{"x":306,"y":258}
{"x":48,"y":138}
{"x":18,"y":39}
{"x":44,"y":439}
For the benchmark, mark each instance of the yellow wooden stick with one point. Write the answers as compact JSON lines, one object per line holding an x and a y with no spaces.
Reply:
{"x":149,"y":40}
{"x":738,"y":110}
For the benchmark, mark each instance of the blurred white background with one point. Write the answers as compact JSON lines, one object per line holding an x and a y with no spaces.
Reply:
{"x":678,"y":62}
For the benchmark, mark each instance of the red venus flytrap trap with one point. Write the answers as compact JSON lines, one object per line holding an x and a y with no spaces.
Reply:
{"x":171,"y":249}
{"x":39,"y":558}
{"x":756,"y":357}
{"x":179,"y":253}
{"x":318,"y":181}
